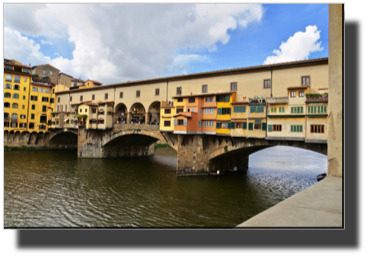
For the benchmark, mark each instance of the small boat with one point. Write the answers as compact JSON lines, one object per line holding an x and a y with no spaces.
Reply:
{"x":218,"y":173}
{"x":321,"y":176}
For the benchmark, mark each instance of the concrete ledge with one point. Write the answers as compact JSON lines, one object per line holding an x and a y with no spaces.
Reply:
{"x":317,"y":206}
{"x":286,"y":138}
{"x":316,"y":141}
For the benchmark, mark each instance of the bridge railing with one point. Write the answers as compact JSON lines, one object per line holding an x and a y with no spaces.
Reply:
{"x":136,"y":127}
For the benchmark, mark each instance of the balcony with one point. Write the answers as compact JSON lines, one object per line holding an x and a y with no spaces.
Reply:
{"x":6,"y":118}
{"x":279,"y":100}
{"x":14,"y":118}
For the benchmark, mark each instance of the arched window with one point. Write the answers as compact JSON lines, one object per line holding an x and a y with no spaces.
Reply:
{"x":15,"y":106}
{"x":17,"y":79}
{"x":7,"y":95}
{"x":6,"y":105}
{"x":8,"y":86}
{"x":15,"y":96}
{"x":16,"y":87}
{"x":14,"y":116}
{"x":8,"y":78}
{"x":6,"y":116}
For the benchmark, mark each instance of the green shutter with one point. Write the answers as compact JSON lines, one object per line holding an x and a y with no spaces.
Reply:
{"x":227,"y":98}
{"x":244,"y":109}
{"x":219,"y":111}
{"x":309,"y":109}
{"x":250,"y":126}
{"x":292,"y":128}
{"x":270,"y":128}
{"x":253,"y":109}
{"x":232,"y":125}
{"x":257,"y":121}
{"x":301,"y":128}
{"x":264,"y":126}
{"x":324,"y":108}
{"x":218,"y":125}
{"x":244,"y":126}
{"x":314,"y":109}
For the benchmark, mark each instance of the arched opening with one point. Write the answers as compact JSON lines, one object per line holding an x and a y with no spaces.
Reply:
{"x":154,"y":115}
{"x":64,"y":140}
{"x":120,"y":113}
{"x":137,"y":112}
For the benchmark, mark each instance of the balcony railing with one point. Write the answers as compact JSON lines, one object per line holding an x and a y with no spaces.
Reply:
{"x":14,"y":118}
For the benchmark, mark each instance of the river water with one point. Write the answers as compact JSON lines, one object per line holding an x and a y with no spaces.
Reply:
{"x":52,"y":188}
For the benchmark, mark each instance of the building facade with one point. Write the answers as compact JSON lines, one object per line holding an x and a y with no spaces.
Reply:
{"x":46,"y":71}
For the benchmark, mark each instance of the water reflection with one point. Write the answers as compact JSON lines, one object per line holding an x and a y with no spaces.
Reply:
{"x":52,"y":188}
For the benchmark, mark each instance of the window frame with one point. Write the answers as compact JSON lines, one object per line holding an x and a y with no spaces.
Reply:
{"x":156,"y":92}
{"x":138,"y":93}
{"x":270,"y":83}
{"x":309,"y":80}
{"x":179,"y":91}
{"x":293,"y":96}
{"x":236,"y":86}
{"x":206,"y":89}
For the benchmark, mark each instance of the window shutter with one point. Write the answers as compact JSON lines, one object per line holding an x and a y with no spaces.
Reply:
{"x":218,"y":125}
{"x":185,"y":122}
{"x":200,"y":112}
{"x":292,"y":128}
{"x":301,"y":128}
{"x":231,"y":125}
{"x":261,"y":108}
{"x":229,"y":111}
{"x":324,"y":108}
{"x":219,"y":111}
{"x":314,"y":109}
{"x":244,"y":125}
{"x":192,"y":110}
{"x":292,"y":110}
{"x":264,"y":126}
{"x":253,"y":109}
{"x":250,"y":126}
{"x":199,"y":123}
{"x":175,"y":122}
{"x":270,"y":128}
{"x":227,"y":98}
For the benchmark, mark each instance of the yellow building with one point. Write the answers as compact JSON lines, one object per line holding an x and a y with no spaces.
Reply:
{"x":41,"y":104}
{"x":167,"y":113}
{"x":317,"y":119}
{"x":90,"y":84}
{"x":257,"y":118}
{"x":224,"y":101}
{"x":17,"y":78}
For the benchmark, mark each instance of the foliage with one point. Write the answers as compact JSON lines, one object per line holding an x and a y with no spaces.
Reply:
{"x":35,"y":76}
{"x":6,"y":148}
{"x":316,"y":95}
{"x":226,"y":148}
{"x":158,"y":146}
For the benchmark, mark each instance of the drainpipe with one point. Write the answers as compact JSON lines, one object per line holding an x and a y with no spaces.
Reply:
{"x":271,"y":82}
{"x":166,"y":90}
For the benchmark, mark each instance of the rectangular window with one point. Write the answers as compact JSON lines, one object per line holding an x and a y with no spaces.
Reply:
{"x":44,"y":99}
{"x":204,"y":88}
{"x":277,"y":128}
{"x":121,"y":95}
{"x":23,"y":117}
{"x":66,"y":108}
{"x":41,"y":90}
{"x":178,"y":110}
{"x":257,"y":126}
{"x":180,"y":100}
{"x":208,"y":123}
{"x":224,"y":125}
{"x":297,"y":110}
{"x":273,"y":109}
{"x":58,"y":99}
{"x":167,"y":123}
{"x":191,"y":100}
{"x":32,"y":116}
{"x":8,"y":67}
{"x":239,"y":125}
{"x":317,"y":129}
{"x":23,"y":106}
{"x":70,"y":98}
{"x":180,"y":122}
{"x":44,"y":73}
{"x":225,"y":111}
{"x":94,"y":110}
{"x":281,"y":109}
{"x":138,"y":93}
{"x":92,"y":97}
{"x":44,"y":108}
{"x":234,"y":86}
{"x":209,"y":99}
{"x":219,"y":98}
{"x":267,"y":83}
{"x":52,"y":100}
{"x":35,"y":89}
{"x":157,"y":92}
{"x":106,"y":96}
{"x":33,"y":106}
{"x":178,"y":91}
{"x":296,"y":128}
{"x":50,"y":72}
{"x":24,"y":88}
{"x":167,"y":111}
{"x":81,"y":98}
{"x":305,"y":81}
{"x":239,"y":109}
{"x":199,"y":124}
{"x":301,"y":93}
{"x":292,"y":94}
{"x":34,"y":98}
{"x":209,"y":111}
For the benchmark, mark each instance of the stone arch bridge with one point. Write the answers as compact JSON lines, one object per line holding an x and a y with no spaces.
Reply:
{"x":196,"y":154}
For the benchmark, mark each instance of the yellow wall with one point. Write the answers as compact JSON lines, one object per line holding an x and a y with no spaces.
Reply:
{"x":317,"y":121}
{"x":286,"y":127}
{"x":256,"y":133}
{"x":38,"y":111}
{"x":21,"y":101}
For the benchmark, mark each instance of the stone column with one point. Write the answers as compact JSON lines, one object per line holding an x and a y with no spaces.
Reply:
{"x":147,"y":119}
{"x":129,"y":117}
{"x":335,"y":91}
{"x":89,"y":143}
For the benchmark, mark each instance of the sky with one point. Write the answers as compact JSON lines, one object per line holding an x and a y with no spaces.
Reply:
{"x":114,"y":43}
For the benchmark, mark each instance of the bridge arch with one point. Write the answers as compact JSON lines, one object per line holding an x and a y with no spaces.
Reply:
{"x":63,"y":139}
{"x":121,"y":112}
{"x":138,"y":113}
{"x":154,"y":112}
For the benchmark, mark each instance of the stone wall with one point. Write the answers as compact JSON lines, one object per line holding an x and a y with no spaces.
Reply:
{"x":65,"y":80}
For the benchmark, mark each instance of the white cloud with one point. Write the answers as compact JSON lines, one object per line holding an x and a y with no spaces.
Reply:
{"x":56,"y":54}
{"x":46,"y":42}
{"x":297,"y":47}
{"x":121,"y":42}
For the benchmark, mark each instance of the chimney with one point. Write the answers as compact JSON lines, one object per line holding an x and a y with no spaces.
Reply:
{"x":29,"y":64}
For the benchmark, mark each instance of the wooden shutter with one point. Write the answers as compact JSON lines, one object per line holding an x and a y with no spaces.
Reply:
{"x":218,"y":125}
{"x":244,"y":125}
{"x":232,"y":125}
{"x":253,"y":109}
{"x":250,"y":126}
{"x":227,"y":98}
{"x":263,"y":126}
{"x":324,"y":108}
{"x":219,"y":111}
{"x":229,"y":111}
{"x":185,"y":122}
{"x":270,"y":128}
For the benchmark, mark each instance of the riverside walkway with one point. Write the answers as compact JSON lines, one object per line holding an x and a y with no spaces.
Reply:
{"x":317,"y":206}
